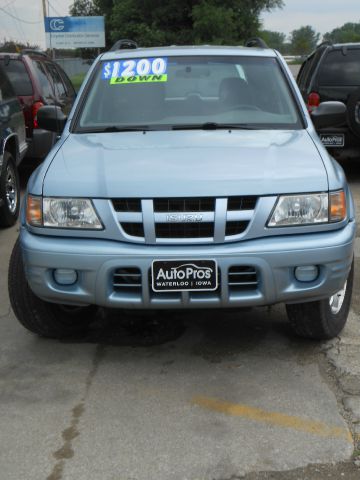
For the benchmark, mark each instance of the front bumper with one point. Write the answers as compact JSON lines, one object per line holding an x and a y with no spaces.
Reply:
{"x":273,"y":258}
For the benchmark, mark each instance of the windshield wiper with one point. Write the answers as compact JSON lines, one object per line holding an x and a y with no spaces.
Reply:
{"x":212,"y":126}
{"x":114,"y":128}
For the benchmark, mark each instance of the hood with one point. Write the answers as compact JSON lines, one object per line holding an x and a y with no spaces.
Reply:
{"x":186,"y":163}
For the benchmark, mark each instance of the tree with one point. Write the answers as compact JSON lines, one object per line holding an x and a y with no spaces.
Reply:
{"x":183,"y":22}
{"x":274,"y":39}
{"x":11,"y":46}
{"x":83,"y":8}
{"x":303,"y":40}
{"x":206,"y":30}
{"x":349,"y":32}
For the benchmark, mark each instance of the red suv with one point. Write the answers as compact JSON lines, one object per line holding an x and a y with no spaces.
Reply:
{"x":38,"y":81}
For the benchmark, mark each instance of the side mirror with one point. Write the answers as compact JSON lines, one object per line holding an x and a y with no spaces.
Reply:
{"x":51,"y":117}
{"x":329,"y":114}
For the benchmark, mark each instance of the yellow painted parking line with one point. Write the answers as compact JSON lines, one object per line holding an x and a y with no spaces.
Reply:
{"x":273,"y":418}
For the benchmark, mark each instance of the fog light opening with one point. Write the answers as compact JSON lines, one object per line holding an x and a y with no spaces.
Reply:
{"x":65,"y":276}
{"x":307,"y":273}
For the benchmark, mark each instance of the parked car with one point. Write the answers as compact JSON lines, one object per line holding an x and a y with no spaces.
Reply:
{"x":12,"y":150}
{"x":332,"y":72}
{"x":186,"y":178}
{"x":38,"y":81}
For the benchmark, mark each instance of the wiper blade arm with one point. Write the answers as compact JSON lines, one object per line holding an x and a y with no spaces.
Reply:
{"x":213,"y":126}
{"x":114,"y":128}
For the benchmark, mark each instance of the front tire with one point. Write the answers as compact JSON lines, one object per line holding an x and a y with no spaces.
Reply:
{"x":43,"y":318}
{"x":9,"y":191}
{"x":323,"y":319}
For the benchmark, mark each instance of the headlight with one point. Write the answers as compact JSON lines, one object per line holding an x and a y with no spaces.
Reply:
{"x":308,"y":209}
{"x":75,"y":213}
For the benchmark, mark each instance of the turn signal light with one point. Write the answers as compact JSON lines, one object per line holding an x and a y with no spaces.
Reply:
{"x":34,"y":211}
{"x":337,"y":206}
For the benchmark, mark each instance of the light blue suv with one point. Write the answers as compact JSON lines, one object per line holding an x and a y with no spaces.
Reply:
{"x":186,"y":177}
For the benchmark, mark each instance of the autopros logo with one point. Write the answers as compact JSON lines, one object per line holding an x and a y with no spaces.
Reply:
{"x":184,"y":276}
{"x":57,"y":24}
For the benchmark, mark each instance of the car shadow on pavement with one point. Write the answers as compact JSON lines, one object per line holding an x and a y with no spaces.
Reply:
{"x":215,"y":335}
{"x":135,"y":329}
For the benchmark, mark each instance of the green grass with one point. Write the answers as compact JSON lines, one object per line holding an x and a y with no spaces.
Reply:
{"x":356,"y":453}
{"x":77,"y":81}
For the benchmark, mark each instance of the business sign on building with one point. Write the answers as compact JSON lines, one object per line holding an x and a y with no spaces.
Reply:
{"x":74,"y":32}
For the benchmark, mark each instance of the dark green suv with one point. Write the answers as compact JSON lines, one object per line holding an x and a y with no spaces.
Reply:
{"x":332,"y":72}
{"x":12,"y":149}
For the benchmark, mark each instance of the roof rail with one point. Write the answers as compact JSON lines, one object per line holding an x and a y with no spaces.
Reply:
{"x":27,"y":51}
{"x":324,"y":44}
{"x":256,"y":42}
{"x":124,"y":44}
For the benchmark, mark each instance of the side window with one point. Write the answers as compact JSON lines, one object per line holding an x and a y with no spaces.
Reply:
{"x":43,"y":79}
{"x":56,"y":80}
{"x":300,"y":76}
{"x":18,"y":76}
{"x":6,"y":90}
{"x":304,"y":72}
{"x":68,"y":85}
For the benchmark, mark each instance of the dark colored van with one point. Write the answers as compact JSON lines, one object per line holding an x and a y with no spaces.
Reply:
{"x":332,"y":72}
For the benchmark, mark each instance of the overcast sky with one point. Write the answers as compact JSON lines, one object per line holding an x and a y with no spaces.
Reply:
{"x":323,"y":15}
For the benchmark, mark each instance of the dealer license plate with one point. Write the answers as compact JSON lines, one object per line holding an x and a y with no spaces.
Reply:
{"x":333,"y":140}
{"x":184,"y":275}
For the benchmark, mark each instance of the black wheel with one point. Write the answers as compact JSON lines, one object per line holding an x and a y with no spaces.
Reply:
{"x":43,"y":318}
{"x":353,"y":109}
{"x":9,"y":191}
{"x":324,"y":319}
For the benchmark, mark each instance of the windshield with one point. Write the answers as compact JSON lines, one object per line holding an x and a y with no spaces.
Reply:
{"x":341,"y":68}
{"x":176,"y":92}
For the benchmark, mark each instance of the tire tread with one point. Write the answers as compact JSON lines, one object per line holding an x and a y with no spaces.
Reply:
{"x":315,"y":320}
{"x":36,"y":315}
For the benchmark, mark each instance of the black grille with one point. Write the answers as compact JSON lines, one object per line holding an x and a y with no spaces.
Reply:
{"x":127,"y":279}
{"x":241,"y":203}
{"x":134,"y":229}
{"x":184,"y":230}
{"x":127,"y":204}
{"x":131,"y":217}
{"x":242,"y":278}
{"x":206,"y":204}
{"x":234,"y":228}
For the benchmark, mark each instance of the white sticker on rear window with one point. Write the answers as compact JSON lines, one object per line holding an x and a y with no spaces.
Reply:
{"x":140,"y":70}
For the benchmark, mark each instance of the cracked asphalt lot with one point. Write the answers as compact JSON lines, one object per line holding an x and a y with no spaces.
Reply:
{"x":211,"y":395}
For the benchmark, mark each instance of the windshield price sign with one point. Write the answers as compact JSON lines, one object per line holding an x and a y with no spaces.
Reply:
{"x":140,"y":70}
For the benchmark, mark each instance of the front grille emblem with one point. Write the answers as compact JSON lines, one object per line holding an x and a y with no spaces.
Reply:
{"x":184,"y":218}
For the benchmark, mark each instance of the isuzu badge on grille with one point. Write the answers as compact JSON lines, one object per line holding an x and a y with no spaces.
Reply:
{"x":184,"y":218}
